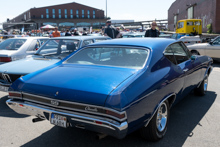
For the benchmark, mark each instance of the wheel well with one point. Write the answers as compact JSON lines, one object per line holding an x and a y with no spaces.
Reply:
{"x":195,"y":51}
{"x":171,"y":100}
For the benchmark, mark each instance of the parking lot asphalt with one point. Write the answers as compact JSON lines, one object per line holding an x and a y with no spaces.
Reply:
{"x":194,"y":122}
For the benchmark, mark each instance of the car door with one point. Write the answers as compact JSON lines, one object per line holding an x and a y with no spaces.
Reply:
{"x":184,"y":63}
{"x":213,"y":50}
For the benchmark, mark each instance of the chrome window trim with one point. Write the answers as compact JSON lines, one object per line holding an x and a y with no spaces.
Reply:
{"x":180,"y":42}
{"x":80,"y":104}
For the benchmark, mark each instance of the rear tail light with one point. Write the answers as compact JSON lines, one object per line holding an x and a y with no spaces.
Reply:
{"x":199,"y":41}
{"x":185,"y":42}
{"x":14,"y":94}
{"x":115,"y":114}
{"x":98,"y":122}
{"x":5,"y":59}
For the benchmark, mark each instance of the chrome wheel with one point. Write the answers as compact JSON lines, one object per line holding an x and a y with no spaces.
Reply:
{"x":162,"y":117}
{"x":205,"y":84}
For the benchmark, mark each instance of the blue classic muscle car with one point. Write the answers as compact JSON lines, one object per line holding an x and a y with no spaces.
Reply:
{"x":114,"y":87}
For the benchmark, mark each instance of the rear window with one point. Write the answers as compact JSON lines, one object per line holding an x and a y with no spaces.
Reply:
{"x":12,"y":44}
{"x":111,"y":56}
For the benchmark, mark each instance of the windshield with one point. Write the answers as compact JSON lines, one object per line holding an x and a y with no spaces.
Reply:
{"x":180,"y":25}
{"x":58,"y":47}
{"x":12,"y":44}
{"x":111,"y":56}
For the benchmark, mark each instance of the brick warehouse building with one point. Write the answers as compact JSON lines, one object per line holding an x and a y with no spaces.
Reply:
{"x":63,"y":16}
{"x":206,"y":10}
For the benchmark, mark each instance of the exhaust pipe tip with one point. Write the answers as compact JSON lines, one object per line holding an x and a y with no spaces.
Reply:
{"x":100,"y":136}
{"x":37,"y":119}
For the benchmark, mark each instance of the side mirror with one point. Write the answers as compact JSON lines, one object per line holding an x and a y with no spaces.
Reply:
{"x":211,"y":43}
{"x":193,"y":57}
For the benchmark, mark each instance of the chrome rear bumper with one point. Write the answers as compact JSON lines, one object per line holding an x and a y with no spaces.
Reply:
{"x":79,"y":120}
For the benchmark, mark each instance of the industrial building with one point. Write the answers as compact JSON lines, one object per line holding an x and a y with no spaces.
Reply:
{"x":63,"y":16}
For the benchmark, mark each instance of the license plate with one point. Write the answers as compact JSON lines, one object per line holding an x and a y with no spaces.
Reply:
{"x":3,"y":88}
{"x":58,"y":120}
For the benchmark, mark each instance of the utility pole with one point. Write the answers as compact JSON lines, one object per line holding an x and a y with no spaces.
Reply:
{"x":106,"y":8}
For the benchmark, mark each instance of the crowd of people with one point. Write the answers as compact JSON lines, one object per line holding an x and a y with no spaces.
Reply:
{"x":108,"y":30}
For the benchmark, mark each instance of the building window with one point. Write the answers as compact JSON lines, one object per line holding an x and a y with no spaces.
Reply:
{"x":65,"y":12}
{"x":175,"y":20}
{"x":29,"y":15}
{"x":25,"y":17}
{"x":71,"y":13}
{"x":77,"y":13}
{"x":190,"y":13}
{"x":59,"y":11}
{"x":42,"y":16}
{"x":53,"y":12}
{"x":47,"y":13}
{"x":88,"y":13}
{"x":93,"y":13}
{"x":82,"y":13}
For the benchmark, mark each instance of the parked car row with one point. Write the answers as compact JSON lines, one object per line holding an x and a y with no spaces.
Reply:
{"x":113,"y":87}
{"x":52,"y":51}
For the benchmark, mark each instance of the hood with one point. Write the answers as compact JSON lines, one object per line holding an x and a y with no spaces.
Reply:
{"x":27,"y":65}
{"x":197,"y":45}
{"x":76,"y":83}
{"x":7,"y":53}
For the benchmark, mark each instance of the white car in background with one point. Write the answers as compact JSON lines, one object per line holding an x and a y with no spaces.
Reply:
{"x":211,"y":49}
{"x":188,"y":40}
{"x":18,"y":48}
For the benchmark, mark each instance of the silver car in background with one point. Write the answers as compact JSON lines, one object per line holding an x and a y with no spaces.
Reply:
{"x":18,"y":48}
{"x":211,"y":49}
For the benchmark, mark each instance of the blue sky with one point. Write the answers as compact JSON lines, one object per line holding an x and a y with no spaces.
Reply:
{"x":117,"y":9}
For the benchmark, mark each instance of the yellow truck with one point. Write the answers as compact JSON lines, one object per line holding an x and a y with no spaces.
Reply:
{"x":189,"y":26}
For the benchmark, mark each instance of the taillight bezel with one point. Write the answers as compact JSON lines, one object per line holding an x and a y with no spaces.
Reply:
{"x":14,"y":94}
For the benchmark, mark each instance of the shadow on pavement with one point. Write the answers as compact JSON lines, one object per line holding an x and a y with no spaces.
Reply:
{"x":185,"y":116}
{"x":216,"y":64}
{"x":5,"y":111}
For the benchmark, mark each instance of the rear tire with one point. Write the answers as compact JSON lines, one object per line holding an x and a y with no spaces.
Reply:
{"x":157,"y":127}
{"x":201,"y":90}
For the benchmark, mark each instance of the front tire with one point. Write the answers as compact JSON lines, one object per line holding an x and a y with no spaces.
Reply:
{"x":157,"y":127}
{"x":202,"y":89}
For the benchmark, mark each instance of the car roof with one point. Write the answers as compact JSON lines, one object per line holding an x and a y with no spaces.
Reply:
{"x":30,"y":38}
{"x":81,"y":37}
{"x":152,"y":43}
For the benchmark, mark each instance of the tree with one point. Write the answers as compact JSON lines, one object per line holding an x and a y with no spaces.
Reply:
{"x":209,"y":27}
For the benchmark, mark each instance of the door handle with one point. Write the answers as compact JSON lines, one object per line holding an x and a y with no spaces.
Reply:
{"x":185,"y":70}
